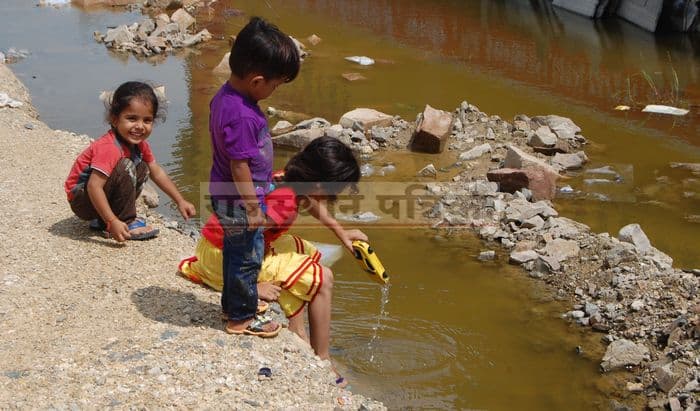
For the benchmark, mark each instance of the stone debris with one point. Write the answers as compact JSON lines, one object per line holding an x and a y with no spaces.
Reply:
{"x":428,"y":171}
{"x":621,"y":286}
{"x":156,"y":36}
{"x":634,"y":235}
{"x":476,"y":152}
{"x":364,"y":119}
{"x":622,"y":353}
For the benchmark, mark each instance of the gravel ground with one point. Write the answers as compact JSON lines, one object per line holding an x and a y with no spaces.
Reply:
{"x":90,"y":323}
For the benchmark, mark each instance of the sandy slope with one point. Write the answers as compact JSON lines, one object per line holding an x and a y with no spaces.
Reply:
{"x":90,"y":323}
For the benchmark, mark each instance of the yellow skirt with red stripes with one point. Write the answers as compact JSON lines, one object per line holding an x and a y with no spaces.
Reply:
{"x":292,"y":263}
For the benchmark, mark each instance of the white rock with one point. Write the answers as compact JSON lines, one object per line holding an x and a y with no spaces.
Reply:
{"x":365,"y":118}
{"x":633,"y":234}
{"x":428,"y":171}
{"x":637,"y":305}
{"x":475,"y":152}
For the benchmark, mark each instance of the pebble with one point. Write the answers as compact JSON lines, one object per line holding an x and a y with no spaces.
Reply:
{"x":637,"y":305}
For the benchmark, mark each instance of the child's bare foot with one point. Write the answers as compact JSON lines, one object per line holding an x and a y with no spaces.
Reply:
{"x":268,"y":291}
{"x":340,"y":381}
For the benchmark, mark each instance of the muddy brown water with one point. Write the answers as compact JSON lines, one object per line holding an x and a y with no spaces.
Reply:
{"x":456,"y":333}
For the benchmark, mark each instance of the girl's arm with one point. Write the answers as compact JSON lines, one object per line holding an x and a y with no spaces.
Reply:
{"x":317,"y":208}
{"x":95,"y":188}
{"x":160,"y":177}
{"x":244,"y":185}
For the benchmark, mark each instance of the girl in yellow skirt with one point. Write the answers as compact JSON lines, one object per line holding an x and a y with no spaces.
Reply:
{"x":291,"y":273}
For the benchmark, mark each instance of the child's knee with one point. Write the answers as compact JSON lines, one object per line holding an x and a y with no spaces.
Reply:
{"x":327,"y":277}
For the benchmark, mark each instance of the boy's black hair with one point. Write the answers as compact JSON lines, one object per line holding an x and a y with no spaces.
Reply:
{"x":261,"y":47}
{"x":326,"y":161}
{"x":123,"y":95}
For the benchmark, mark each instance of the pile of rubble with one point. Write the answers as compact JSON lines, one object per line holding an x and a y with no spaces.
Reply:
{"x":154,"y":36}
{"x":621,"y":286}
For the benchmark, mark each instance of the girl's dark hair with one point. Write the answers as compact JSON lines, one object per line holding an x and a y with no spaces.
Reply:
{"x":261,"y":47}
{"x":122,"y":96}
{"x":325,"y":161}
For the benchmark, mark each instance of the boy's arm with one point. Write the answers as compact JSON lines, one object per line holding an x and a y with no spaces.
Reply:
{"x":163,"y":181}
{"x":243,"y":180}
{"x":95,"y":188}
{"x":317,"y":208}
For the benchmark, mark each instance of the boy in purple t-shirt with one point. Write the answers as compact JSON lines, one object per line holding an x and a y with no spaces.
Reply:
{"x":262,"y":58}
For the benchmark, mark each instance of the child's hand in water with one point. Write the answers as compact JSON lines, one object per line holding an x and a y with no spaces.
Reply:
{"x":186,"y":209}
{"x":348,"y":236}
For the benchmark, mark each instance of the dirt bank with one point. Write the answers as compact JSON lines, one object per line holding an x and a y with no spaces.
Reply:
{"x":89,"y":323}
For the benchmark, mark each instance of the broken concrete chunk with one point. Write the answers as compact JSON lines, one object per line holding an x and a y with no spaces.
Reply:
{"x":432,"y":131}
{"x":543,"y":137}
{"x":365,"y":119}
{"x":476,"y":152}
{"x":183,"y":19}
{"x":297,"y":138}
{"x":633,"y":234}
{"x":573,"y":161}
{"x":521,"y":257}
{"x":621,"y":353}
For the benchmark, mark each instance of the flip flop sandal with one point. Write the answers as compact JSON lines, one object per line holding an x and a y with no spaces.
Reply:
{"x":138,"y":223}
{"x":256,"y":328}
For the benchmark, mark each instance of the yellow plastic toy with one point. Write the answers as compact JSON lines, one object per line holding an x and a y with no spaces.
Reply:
{"x":369,"y":261}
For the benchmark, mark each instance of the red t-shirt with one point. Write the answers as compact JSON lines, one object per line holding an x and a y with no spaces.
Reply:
{"x":103,"y":155}
{"x":281,"y":206}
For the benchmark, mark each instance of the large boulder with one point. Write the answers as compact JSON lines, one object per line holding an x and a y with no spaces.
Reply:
{"x":432,"y":131}
{"x":365,"y":119}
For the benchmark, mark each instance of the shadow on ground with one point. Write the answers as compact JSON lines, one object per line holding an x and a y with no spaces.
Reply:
{"x":175,"y":307}
{"x":77,"y":229}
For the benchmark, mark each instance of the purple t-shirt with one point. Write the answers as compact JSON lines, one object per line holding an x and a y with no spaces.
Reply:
{"x":238,"y":131}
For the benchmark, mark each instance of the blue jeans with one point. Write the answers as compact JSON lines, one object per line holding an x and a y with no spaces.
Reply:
{"x":243,"y":254}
